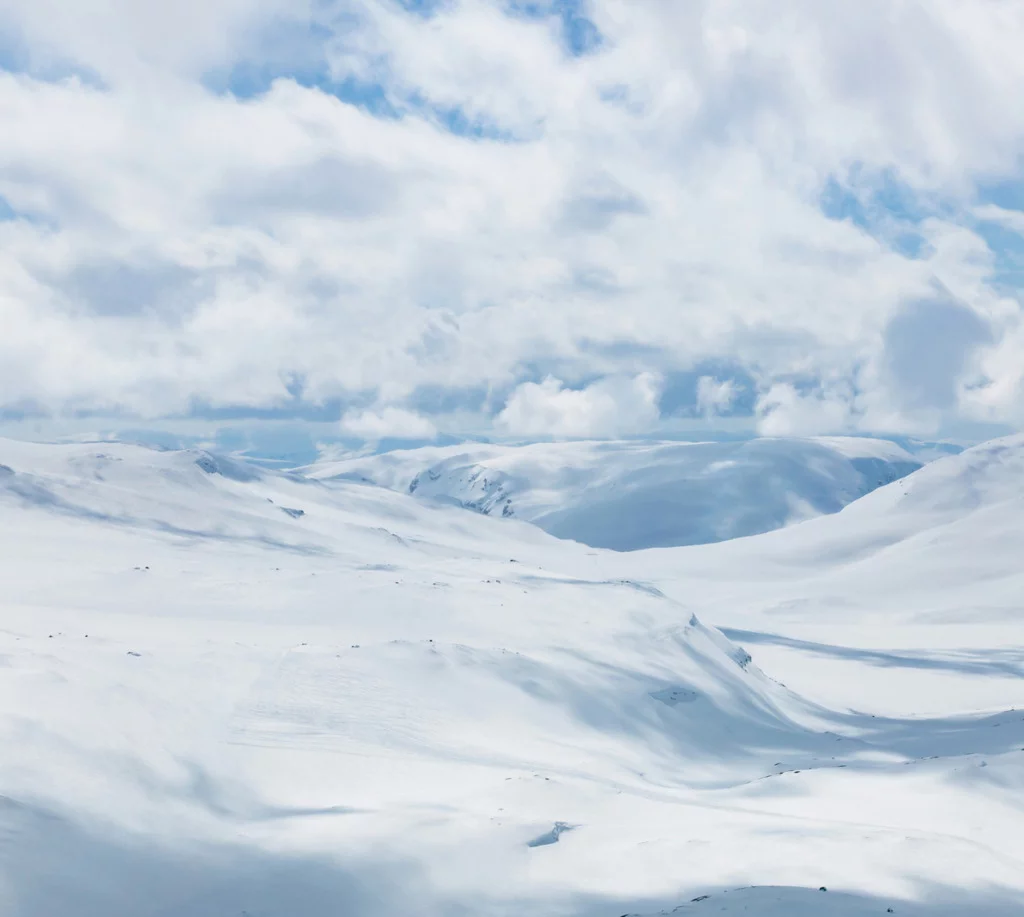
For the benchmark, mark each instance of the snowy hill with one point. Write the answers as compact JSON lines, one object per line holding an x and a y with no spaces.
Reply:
{"x":232,"y":691}
{"x":938,"y":532}
{"x":631,"y":495}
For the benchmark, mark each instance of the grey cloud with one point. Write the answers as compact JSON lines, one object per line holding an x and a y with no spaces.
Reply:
{"x":595,"y":207}
{"x":330,"y":187}
{"x":927,"y":346}
{"x":597,"y":280}
{"x":120,"y":288}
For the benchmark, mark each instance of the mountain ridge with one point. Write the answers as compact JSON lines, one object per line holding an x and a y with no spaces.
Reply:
{"x":631,"y":495}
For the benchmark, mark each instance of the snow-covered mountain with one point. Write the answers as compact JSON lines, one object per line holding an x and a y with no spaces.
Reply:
{"x":631,"y":495}
{"x":232,"y":691}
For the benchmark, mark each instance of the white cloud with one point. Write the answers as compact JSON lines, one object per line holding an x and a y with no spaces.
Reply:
{"x":388,"y":422}
{"x":608,"y":407}
{"x":714,"y":396}
{"x":783,"y":411}
{"x":1011,"y":219}
{"x":648,"y":207}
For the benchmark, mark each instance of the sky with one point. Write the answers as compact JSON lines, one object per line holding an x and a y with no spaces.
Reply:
{"x":511,"y":219}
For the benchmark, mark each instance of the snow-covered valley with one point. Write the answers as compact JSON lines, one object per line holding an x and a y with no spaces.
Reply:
{"x":226,"y":691}
{"x":629,"y":495}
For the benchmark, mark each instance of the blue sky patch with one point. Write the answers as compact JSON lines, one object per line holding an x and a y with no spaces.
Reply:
{"x":579,"y":33}
{"x":16,"y":57}
{"x":1006,"y":193}
{"x":457,"y":120}
{"x":1006,"y":244}
{"x":251,"y":78}
{"x":1007,"y":247}
{"x":424,"y":8}
{"x":883,"y":206}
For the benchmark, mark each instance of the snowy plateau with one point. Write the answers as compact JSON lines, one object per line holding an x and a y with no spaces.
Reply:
{"x":227,"y":691}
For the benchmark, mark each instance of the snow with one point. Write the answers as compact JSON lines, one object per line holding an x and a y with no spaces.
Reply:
{"x":631,"y":495}
{"x":230,"y":691}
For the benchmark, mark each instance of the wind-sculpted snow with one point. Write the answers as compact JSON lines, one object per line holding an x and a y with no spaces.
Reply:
{"x":227,"y":691}
{"x":631,"y":495}
{"x":767,"y":901}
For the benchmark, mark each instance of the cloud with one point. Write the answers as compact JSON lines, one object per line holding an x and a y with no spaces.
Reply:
{"x":785,"y":411}
{"x":387,"y":423}
{"x":1011,"y":219}
{"x":462,"y":197}
{"x":608,"y":407}
{"x":928,"y":344}
{"x":714,"y":396}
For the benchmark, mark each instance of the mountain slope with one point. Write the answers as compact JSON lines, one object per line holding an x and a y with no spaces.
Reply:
{"x":923,"y":576}
{"x":631,"y":495}
{"x":230,"y":691}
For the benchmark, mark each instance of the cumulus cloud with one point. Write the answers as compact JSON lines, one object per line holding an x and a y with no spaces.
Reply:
{"x":387,"y":423}
{"x":227,"y":202}
{"x":785,"y":411}
{"x":608,"y":407}
{"x":715,"y":396}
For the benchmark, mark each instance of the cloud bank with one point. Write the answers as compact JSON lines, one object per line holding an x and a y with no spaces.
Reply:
{"x":536,"y":214}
